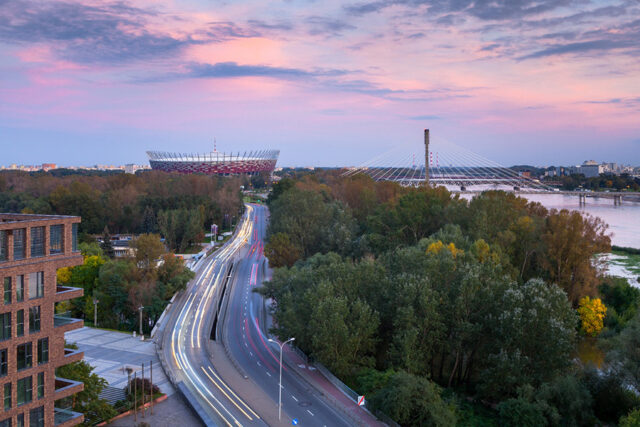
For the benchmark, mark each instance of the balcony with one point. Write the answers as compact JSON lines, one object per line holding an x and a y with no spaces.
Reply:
{"x":65,"y":387}
{"x":63,"y":323}
{"x":70,"y":356}
{"x":66,"y":417}
{"x":64,"y":293}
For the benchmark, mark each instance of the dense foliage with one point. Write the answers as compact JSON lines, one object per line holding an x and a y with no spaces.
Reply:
{"x":147,"y":202}
{"x":123,"y":285}
{"x":404,"y":291}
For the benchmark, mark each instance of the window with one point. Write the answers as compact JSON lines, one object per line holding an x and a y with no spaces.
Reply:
{"x":20,"y":288}
{"x":7,"y":396}
{"x":36,"y":285}
{"x":55,"y":239}
{"x":34,"y":319}
{"x":5,"y":326}
{"x":25,"y":356}
{"x":37,"y":241}
{"x":25,"y":390}
{"x":6,"y":423}
{"x":18,"y":243}
{"x":7,"y":290}
{"x":20,"y":422}
{"x":43,"y":351}
{"x":74,"y":237}
{"x":4,"y":362}
{"x":36,"y":417}
{"x":40,"y":389}
{"x":19,"y":323}
{"x":3,"y":245}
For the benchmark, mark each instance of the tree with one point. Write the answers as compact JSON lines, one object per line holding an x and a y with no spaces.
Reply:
{"x":624,"y":355}
{"x":592,"y":312}
{"x":281,"y":252}
{"x":148,"y":248}
{"x":88,"y":400}
{"x":572,"y":241}
{"x":413,"y":401}
{"x":630,"y":420}
{"x":106,"y":246}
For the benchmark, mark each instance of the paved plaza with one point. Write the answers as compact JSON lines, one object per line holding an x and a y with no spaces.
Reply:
{"x":111,"y":353}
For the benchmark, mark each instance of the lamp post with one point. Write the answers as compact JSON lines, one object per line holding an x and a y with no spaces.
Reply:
{"x":140,"y":310}
{"x":95,"y":312}
{"x":280,"y":383}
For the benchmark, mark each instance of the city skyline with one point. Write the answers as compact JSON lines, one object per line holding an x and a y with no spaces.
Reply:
{"x":536,"y":82}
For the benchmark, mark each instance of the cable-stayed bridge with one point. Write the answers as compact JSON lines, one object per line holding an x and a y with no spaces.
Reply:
{"x":460,"y":170}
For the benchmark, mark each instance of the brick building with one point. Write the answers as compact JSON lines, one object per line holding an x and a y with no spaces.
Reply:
{"x":32,"y":248}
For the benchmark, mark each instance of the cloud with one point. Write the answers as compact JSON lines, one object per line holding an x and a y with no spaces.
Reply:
{"x":278,"y":26}
{"x":321,"y":25}
{"x":427,"y":117}
{"x":111,"y":33}
{"x":483,"y":9}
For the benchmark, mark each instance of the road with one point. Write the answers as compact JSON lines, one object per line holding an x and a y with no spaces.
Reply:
{"x":238,"y":267}
{"x":248,"y":341}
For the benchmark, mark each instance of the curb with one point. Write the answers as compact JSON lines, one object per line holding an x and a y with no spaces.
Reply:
{"x":130,"y":411}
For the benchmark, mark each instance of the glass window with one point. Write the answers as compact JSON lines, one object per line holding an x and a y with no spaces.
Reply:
{"x":37,"y":241}
{"x":20,"y":323}
{"x":25,"y":356}
{"x":6,"y":423}
{"x":20,"y":288}
{"x":43,"y":351}
{"x":7,"y":290}
{"x":25,"y":390}
{"x":36,"y":417}
{"x":74,"y":237}
{"x":18,"y":243}
{"x":4,"y":360}
{"x":3,"y":245}
{"x":36,"y":285}
{"x":20,"y":422}
{"x":5,"y":326}
{"x":55,"y":239}
{"x":40,"y":392}
{"x":7,"y":396}
{"x":34,"y":319}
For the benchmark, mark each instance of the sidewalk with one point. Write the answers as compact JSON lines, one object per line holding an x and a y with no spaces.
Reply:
{"x":111,"y":353}
{"x":170,"y":413}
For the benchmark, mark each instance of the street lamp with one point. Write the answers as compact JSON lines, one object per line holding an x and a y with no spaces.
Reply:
{"x":140,"y":310}
{"x":280,"y":385}
{"x":95,"y":312}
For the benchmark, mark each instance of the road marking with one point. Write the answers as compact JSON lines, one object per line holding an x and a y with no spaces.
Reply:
{"x":225,"y":393}
{"x":294,"y":398}
{"x":310,"y":412}
{"x":231,"y":391}
{"x":268,"y":373}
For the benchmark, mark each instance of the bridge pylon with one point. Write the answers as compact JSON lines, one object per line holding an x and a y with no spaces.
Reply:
{"x":426,"y":157}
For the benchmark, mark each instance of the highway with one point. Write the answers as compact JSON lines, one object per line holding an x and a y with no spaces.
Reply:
{"x":237,"y":268}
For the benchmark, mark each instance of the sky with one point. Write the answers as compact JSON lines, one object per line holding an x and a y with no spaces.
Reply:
{"x":328,"y":83}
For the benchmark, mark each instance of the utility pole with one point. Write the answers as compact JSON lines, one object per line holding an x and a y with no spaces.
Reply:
{"x":426,"y":156}
{"x":280,"y":383}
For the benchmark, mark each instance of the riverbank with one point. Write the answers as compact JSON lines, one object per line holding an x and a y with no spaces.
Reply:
{"x":623,"y":264}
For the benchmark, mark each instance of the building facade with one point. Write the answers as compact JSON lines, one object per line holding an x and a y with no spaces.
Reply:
{"x":215,"y":163}
{"x":32,"y":248}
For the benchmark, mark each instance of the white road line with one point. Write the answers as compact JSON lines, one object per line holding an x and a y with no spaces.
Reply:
{"x":310,"y":412}
{"x":294,"y":398}
{"x":268,"y":373}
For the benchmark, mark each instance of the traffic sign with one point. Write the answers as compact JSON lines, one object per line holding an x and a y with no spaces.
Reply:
{"x":360,"y":400}
{"x":294,"y":421}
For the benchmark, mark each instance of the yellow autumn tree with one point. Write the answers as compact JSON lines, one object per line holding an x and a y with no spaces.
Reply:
{"x":592,"y":312}
{"x":435,"y":247}
{"x":454,"y":251}
{"x":63,"y":275}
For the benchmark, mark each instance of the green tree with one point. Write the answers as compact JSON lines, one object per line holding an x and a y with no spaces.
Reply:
{"x":281,"y":252}
{"x":88,"y":400}
{"x":106,"y":246}
{"x":148,"y":249}
{"x":413,"y":401}
{"x":630,"y":420}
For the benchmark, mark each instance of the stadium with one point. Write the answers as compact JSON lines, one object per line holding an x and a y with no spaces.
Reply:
{"x":215,"y":162}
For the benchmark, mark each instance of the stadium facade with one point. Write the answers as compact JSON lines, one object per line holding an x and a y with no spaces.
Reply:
{"x":215,"y":162}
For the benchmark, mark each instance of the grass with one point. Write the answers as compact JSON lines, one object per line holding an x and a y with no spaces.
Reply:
{"x":629,"y":261}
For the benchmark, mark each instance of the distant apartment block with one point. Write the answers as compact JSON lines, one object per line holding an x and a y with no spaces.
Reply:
{"x":32,"y":248}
